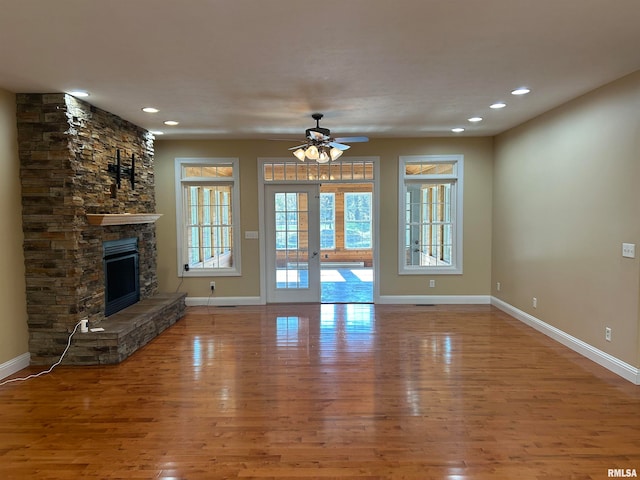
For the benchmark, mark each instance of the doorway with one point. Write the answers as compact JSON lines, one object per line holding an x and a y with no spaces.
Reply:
{"x":346,"y":242}
{"x":319,"y":231}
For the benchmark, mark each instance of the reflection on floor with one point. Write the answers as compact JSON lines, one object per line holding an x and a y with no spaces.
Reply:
{"x":347,"y":285}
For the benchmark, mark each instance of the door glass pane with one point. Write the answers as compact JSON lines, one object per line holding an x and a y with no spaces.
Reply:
{"x":292,"y":237}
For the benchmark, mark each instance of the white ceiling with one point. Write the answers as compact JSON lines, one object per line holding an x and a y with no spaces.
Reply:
{"x":259,"y":68}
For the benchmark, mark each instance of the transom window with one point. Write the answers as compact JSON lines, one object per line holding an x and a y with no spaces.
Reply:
{"x":207,"y":200}
{"x":430,"y":214}
{"x":295,"y":171}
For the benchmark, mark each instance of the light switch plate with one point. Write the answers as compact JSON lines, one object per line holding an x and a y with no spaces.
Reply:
{"x":629,"y":250}
{"x":251,"y":234}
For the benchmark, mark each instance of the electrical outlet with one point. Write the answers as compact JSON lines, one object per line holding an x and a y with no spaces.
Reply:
{"x":432,"y":283}
{"x":607,"y":334}
{"x":212,"y":285}
{"x":498,"y":286}
{"x":535,"y":302}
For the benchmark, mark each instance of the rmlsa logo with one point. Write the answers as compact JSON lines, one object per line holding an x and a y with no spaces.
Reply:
{"x":622,"y":472}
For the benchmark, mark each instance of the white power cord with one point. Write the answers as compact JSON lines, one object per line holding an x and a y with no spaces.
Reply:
{"x":51,"y":367}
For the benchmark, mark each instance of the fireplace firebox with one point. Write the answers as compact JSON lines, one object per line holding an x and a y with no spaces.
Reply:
{"x":121,"y":274}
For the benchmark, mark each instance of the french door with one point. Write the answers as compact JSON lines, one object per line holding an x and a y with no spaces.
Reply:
{"x":292,"y":227}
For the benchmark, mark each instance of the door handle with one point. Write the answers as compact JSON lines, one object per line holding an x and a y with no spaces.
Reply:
{"x":315,"y":254}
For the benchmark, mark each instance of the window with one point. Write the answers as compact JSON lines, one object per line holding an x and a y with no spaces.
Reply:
{"x":430,"y":214}
{"x":327,"y":221}
{"x":357,"y":220}
{"x":207,"y":200}
{"x":294,"y":171}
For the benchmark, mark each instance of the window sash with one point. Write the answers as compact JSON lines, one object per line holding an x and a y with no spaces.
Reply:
{"x":428,"y":226}
{"x":357,"y":220}
{"x":431,"y":215}
{"x":210,"y":236}
{"x":207,"y":216}
{"x":327,"y":221}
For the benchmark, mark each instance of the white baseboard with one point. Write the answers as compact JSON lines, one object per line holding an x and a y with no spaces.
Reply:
{"x":617,"y":366}
{"x":383,"y":299}
{"x":222,"y":301}
{"x":434,"y":299}
{"x":15,"y":365}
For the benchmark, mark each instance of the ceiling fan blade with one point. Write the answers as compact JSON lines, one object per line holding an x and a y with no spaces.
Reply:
{"x":339,"y":146}
{"x":298,"y":146}
{"x":352,"y":139}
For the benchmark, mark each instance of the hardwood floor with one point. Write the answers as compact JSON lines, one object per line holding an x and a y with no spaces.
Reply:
{"x":331,"y":391}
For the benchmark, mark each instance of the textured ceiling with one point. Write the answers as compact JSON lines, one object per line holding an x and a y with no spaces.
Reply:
{"x":259,"y":68}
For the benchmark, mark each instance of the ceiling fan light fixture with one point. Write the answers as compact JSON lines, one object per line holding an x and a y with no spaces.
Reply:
{"x":324,"y":155}
{"x":312,"y":153}
{"x":319,"y":146}
{"x":300,"y":154}
{"x":335,"y":153}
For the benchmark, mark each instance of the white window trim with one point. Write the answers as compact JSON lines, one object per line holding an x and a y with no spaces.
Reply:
{"x":182,"y":259}
{"x":458,"y":180}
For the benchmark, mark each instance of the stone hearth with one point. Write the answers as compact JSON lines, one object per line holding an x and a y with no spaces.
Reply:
{"x":68,"y":150}
{"x":128,"y":330}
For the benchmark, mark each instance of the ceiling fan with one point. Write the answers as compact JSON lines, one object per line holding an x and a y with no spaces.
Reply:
{"x":320,"y":146}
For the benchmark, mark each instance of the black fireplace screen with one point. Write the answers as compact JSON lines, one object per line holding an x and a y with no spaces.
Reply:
{"x":121,"y":275}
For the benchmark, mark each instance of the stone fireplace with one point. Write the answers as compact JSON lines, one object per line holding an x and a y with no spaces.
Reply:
{"x":69,"y":151}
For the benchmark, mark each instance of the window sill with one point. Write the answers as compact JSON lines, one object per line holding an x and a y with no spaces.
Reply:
{"x":210,"y":273}
{"x":431,"y":271}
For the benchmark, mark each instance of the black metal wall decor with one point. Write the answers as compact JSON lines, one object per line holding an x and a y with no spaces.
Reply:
{"x":121,"y":171}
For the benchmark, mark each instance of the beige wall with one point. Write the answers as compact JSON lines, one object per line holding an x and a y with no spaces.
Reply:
{"x":565,"y":198}
{"x":13,"y":321}
{"x":477,"y":153}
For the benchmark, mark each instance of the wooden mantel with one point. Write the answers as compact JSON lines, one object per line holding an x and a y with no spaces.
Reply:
{"x":105,"y":219}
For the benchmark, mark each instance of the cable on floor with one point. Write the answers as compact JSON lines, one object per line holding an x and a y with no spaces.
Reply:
{"x":22,"y":379}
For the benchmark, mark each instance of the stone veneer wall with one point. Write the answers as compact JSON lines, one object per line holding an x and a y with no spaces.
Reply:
{"x":65,"y":146}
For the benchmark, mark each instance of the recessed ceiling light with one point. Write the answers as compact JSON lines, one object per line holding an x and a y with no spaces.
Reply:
{"x":171,"y":122}
{"x":520,"y":91}
{"x":150,"y":110}
{"x":79,"y":93}
{"x":457,"y":130}
{"x":498,"y":105}
{"x":475,"y":119}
